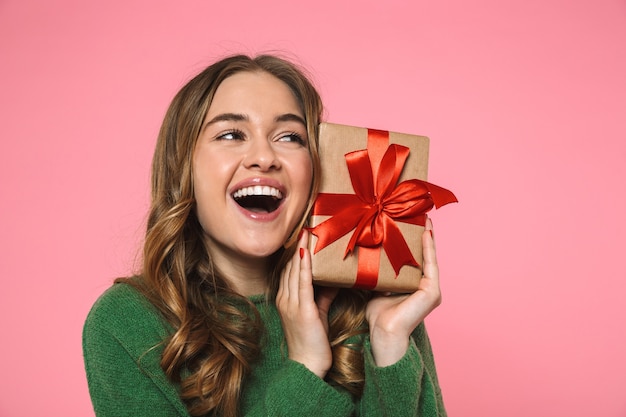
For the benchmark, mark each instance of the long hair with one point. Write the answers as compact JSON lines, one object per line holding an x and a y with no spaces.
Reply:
{"x":217,"y":333}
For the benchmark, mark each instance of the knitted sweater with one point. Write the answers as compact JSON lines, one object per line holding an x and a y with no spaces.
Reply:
{"x":121,"y":349}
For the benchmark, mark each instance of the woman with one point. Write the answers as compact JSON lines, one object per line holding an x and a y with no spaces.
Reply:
{"x":224,"y":319}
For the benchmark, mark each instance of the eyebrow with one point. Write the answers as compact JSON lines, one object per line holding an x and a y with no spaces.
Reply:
{"x":226,"y":117}
{"x":290,"y":117}
{"x":237,"y":117}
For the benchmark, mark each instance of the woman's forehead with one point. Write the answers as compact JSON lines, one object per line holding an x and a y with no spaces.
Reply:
{"x":254,"y":91}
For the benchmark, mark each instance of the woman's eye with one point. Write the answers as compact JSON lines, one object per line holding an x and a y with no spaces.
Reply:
{"x":292,"y":137}
{"x":232,"y":135}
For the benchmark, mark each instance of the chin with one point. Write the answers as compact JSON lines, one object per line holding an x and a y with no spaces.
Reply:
{"x":264,"y":252}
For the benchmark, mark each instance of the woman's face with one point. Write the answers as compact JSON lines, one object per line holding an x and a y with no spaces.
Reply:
{"x":252,"y":170}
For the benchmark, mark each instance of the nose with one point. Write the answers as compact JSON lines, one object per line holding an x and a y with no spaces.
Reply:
{"x":261,"y":155}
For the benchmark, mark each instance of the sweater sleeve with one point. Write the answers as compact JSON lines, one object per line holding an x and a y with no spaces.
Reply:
{"x":407,"y":388}
{"x":296,"y":391}
{"x":280,"y":386}
{"x":121,"y":351}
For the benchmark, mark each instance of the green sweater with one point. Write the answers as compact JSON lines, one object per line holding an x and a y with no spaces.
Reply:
{"x":122,"y":353}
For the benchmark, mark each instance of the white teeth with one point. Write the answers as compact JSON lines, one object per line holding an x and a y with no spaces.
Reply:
{"x":258,"y":190}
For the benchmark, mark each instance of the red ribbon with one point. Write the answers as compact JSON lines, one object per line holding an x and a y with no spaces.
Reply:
{"x":377,"y":204}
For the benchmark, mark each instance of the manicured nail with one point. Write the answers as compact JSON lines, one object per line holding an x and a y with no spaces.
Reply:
{"x":300,"y":233}
{"x":301,"y":253}
{"x":431,"y":234}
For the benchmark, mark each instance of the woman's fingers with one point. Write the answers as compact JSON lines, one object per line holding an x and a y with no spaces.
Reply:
{"x":296,"y":278}
{"x":305,"y":324}
{"x":393,"y":318}
{"x":430,"y":279}
{"x":429,"y":250}
{"x":305,"y":278}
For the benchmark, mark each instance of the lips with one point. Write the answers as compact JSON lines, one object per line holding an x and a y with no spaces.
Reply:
{"x":258,"y":198}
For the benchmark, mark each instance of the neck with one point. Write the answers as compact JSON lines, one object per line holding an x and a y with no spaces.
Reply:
{"x":246,"y":276}
{"x":248,"y":282}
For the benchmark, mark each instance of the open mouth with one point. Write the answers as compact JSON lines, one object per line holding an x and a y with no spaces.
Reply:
{"x":258,"y":199}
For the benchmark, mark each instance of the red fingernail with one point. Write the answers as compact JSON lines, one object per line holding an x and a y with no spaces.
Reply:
{"x":301,"y":253}
{"x":431,"y":234}
{"x":300,"y":234}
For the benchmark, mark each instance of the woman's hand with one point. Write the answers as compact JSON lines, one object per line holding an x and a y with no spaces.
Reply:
{"x":392,"y":318}
{"x":305,"y":319}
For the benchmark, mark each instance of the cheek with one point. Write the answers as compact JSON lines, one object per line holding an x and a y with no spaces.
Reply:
{"x":303,"y":173}
{"x":203,"y":203}
{"x":205,"y":182}
{"x":303,"y":180}
{"x":210,"y":172}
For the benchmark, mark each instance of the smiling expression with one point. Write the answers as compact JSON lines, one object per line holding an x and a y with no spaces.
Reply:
{"x":252,"y":170}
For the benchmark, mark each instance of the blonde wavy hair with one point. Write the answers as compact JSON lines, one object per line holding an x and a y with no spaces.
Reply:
{"x":217,"y":333}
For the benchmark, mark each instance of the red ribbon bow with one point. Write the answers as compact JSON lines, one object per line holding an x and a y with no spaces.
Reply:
{"x":377,"y":204}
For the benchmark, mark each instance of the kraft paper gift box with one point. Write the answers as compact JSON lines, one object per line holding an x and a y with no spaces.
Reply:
{"x":367,"y":222}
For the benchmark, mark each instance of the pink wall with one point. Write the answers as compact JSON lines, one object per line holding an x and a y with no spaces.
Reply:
{"x":525,"y":103}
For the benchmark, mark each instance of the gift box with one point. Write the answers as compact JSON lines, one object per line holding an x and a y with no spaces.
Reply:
{"x":367,"y":221}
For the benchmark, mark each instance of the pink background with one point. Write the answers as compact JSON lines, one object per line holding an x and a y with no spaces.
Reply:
{"x":525,"y":103}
